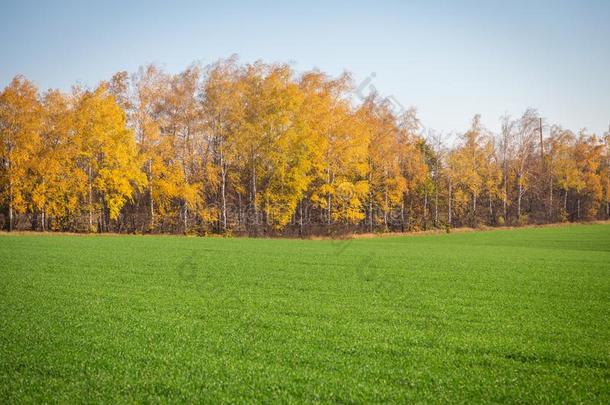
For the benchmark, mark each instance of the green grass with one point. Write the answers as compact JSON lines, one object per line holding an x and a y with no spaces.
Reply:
{"x":501,"y":316}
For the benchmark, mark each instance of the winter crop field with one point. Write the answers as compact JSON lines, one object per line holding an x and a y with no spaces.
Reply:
{"x":499,"y":316}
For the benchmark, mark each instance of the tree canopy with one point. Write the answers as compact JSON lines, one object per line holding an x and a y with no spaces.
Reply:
{"x":260,"y":149}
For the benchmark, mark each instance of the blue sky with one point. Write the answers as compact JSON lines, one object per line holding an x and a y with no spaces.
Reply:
{"x":448,"y":59}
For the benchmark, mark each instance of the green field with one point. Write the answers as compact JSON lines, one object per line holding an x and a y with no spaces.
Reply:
{"x":500,"y":316}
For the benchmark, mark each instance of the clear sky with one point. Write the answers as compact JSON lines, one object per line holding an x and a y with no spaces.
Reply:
{"x":450,"y":59}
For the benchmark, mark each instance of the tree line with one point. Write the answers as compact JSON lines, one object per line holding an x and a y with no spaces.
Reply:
{"x":257,"y":149}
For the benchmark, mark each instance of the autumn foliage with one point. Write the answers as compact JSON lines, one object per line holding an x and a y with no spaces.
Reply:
{"x":258,"y":149}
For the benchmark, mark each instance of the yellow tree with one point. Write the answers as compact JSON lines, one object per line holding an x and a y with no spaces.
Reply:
{"x":256,"y":133}
{"x":157,"y":139}
{"x":20,"y":125}
{"x":223,"y":99}
{"x":345,"y":187}
{"x":107,"y":155}
{"x":386,"y":183}
{"x":563,"y":166}
{"x":458,"y":198}
{"x":491,"y":173}
{"x":340,"y":138}
{"x":290,"y":160}
{"x":275,"y":143}
{"x":605,"y":172}
{"x":468,"y":163}
{"x":56,"y":180}
{"x":448,"y":173}
{"x":182,"y":131}
{"x":414,"y":168}
{"x":588,"y":157}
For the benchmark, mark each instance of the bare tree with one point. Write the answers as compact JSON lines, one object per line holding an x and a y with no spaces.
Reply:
{"x":525,"y":143}
{"x":506,"y":142}
{"x":437,"y":142}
